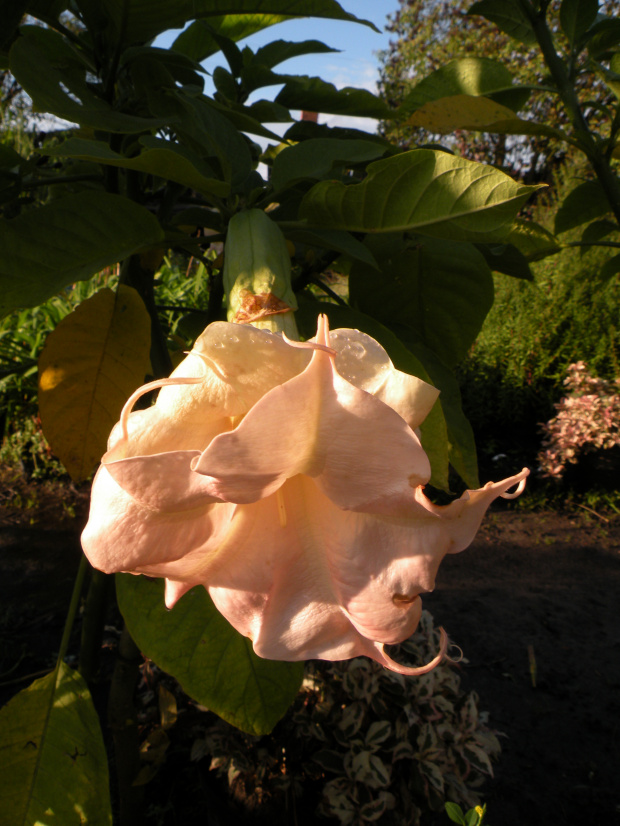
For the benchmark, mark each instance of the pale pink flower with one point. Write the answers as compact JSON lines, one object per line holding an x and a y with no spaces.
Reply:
{"x":286,"y":478}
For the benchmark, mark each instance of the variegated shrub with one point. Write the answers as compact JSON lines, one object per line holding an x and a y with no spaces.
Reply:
{"x":381,"y":747}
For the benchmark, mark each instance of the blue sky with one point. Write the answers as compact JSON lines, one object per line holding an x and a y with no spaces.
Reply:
{"x":355,"y":65}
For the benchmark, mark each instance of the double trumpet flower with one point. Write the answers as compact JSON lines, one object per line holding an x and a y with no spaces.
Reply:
{"x":287,"y":479}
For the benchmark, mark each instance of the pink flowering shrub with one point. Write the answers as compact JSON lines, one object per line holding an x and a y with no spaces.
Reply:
{"x":588,"y":419}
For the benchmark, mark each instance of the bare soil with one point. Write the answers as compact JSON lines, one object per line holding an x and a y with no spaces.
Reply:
{"x":533,"y":603}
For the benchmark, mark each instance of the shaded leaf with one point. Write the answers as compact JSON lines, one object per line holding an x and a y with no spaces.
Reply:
{"x":441,"y":290}
{"x":76,"y":237}
{"x":576,"y":17}
{"x":316,"y":159}
{"x":90,"y":364}
{"x":197,"y":41}
{"x":161,"y":158}
{"x":508,"y":15}
{"x":426,"y":190}
{"x":583,"y":204}
{"x":477,"y":114}
{"x":52,"y":755}
{"x":338,"y":240}
{"x":278,"y":51}
{"x":54,"y":75}
{"x":603,"y":37}
{"x":467,"y":76}
{"x":315,"y":95}
{"x":141,"y":20}
{"x":507,"y":259}
{"x":214,"y":664}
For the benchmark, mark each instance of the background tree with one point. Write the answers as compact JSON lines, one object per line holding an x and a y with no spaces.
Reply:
{"x":431,"y":33}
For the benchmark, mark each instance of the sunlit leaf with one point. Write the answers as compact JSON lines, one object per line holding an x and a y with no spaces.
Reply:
{"x":214,"y":664}
{"x":69,"y":239}
{"x":53,"y":764}
{"x":90,"y":364}
{"x":467,"y":76}
{"x":433,"y":192}
{"x":532,"y":240}
{"x":477,"y":114}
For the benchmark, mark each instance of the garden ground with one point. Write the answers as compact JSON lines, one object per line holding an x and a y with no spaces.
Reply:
{"x":533,"y":603}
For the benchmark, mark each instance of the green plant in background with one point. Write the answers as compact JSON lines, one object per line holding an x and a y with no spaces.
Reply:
{"x":474,"y":817}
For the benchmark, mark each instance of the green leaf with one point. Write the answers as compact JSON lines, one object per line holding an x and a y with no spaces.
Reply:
{"x":467,"y":76}
{"x":455,"y":813}
{"x":53,"y":764}
{"x":53,"y":73}
{"x":508,"y":16}
{"x":338,"y":240}
{"x":583,"y":204}
{"x":75,"y":237}
{"x":137,"y":21}
{"x":161,"y":158}
{"x":278,"y":51}
{"x":477,"y":114}
{"x":316,"y":158}
{"x":90,"y":365}
{"x":214,"y":664}
{"x":197,"y":41}
{"x":603,"y":37}
{"x":508,"y":259}
{"x":598,"y":230}
{"x":532,"y":240}
{"x":576,"y":17}
{"x":312,"y":94}
{"x":424,"y":190}
{"x":433,"y":430}
{"x":441,"y":290}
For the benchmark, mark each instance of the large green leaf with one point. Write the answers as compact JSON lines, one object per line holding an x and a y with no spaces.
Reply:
{"x":467,"y":76}
{"x":315,"y":159}
{"x":576,"y":17}
{"x":91,"y":363}
{"x":214,"y":664}
{"x":508,"y":15}
{"x":583,"y":204}
{"x":137,"y":21}
{"x":54,"y":75}
{"x":315,"y":95}
{"x":425,"y":190}
{"x":441,"y":290}
{"x":479,"y":114}
{"x":161,"y":158}
{"x":198,"y":40}
{"x":53,"y":764}
{"x":67,"y":240}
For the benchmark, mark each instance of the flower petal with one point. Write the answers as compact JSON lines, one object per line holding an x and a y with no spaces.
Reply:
{"x":124,"y":535}
{"x":360,"y":452}
{"x":363,"y":362}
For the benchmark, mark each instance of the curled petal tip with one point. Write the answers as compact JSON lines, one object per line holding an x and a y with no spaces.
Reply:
{"x":411,"y":671}
{"x":521,"y":478}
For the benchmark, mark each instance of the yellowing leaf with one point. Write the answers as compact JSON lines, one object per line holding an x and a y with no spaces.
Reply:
{"x":478,"y":114}
{"x":53,"y":765}
{"x":91,"y":363}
